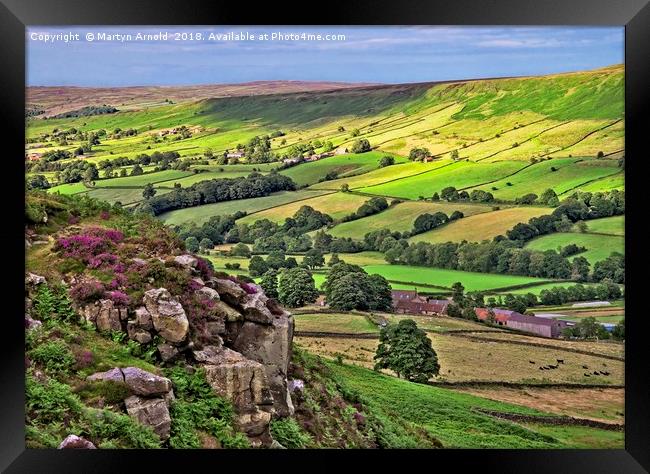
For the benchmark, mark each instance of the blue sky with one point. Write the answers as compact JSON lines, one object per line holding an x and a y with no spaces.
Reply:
{"x":368,"y":54}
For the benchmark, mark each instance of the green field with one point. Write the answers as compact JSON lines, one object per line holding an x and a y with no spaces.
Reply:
{"x":599,"y":247}
{"x":201,"y":214}
{"x":142,"y":180}
{"x":334,"y":322}
{"x":570,"y":173}
{"x":614,"y":225}
{"x":71,"y":188}
{"x":383,"y":175}
{"x":336,"y":205}
{"x":187,"y":181}
{"x":401,"y":217}
{"x":344,"y":165}
{"x":445,"y":278}
{"x":481,"y":226}
{"x":462,"y":174}
{"x":616,"y":181}
{"x":537,"y":289}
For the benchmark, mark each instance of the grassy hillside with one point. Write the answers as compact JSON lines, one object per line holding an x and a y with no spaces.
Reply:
{"x":455,"y":418}
{"x":401,"y":217}
{"x":484,"y":226}
{"x":598,"y":247}
{"x":343,"y":165}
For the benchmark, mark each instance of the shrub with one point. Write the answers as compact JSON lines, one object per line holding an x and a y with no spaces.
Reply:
{"x":119,"y":298}
{"x":289,"y":434}
{"x":54,"y":356}
{"x":198,"y":408}
{"x":87,"y":291}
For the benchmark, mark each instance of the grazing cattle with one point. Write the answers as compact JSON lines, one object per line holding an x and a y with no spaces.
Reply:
{"x":531,"y":361}
{"x":541,"y":368}
{"x":586,"y":375}
{"x":605,"y":373}
{"x":560,"y":361}
{"x":596,"y":372}
{"x":585,"y":367}
{"x":553,"y":366}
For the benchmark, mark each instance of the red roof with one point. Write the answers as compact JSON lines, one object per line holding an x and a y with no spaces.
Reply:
{"x":500,"y":315}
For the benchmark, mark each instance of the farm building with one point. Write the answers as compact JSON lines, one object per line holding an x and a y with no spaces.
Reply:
{"x":237,"y":154}
{"x":501,"y":316}
{"x":407,"y":301}
{"x":540,"y":326}
{"x":406,"y":295}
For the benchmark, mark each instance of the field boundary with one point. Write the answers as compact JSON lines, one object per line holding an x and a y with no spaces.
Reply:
{"x":339,"y":335}
{"x":553,"y":420}
{"x":538,"y":344}
{"x":503,"y":384}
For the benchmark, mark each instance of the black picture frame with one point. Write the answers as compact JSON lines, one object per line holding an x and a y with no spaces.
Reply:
{"x":16,"y":14}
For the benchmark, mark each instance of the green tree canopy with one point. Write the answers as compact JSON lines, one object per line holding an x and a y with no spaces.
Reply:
{"x":406,"y":349}
{"x":296,"y":287}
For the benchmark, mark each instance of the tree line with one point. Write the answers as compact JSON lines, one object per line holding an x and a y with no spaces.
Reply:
{"x":217,"y":190}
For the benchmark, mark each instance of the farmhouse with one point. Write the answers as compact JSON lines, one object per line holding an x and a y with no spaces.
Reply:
{"x":405,"y":301}
{"x":237,"y":154}
{"x":540,"y":326}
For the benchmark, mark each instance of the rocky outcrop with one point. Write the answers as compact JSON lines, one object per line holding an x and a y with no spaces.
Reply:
{"x":144,"y":383}
{"x":254,"y":307}
{"x":76,"y":442}
{"x":167,"y":314}
{"x":238,"y":379}
{"x":244,"y":383}
{"x":270,"y":345}
{"x":138,"y":381}
{"x":152,"y":412}
{"x":186,"y":261}
{"x":104,"y":315}
{"x":243,"y":340}
{"x":228,"y":290}
{"x":150,"y":396}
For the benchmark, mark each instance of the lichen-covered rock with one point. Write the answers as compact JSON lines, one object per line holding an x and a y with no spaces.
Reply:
{"x":143,"y":318}
{"x":112,"y":375}
{"x":240,"y":380}
{"x":151,"y":412}
{"x":215,"y":329}
{"x":208,"y":293}
{"x":254,"y":308}
{"x":209,"y":354}
{"x":271,"y":346}
{"x":186,"y":261}
{"x":167,"y":314}
{"x":137,"y":333}
{"x":167,"y":352}
{"x":228,"y":290}
{"x":108,"y":317}
{"x":254,"y":423}
{"x":145,"y":383}
{"x":227,"y":312}
{"x":76,"y":442}
{"x":34,"y":279}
